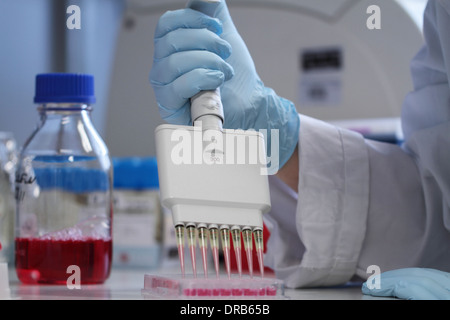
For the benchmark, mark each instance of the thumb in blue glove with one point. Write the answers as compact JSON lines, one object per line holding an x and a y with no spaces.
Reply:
{"x":411,"y":284}
{"x":195,"y":52}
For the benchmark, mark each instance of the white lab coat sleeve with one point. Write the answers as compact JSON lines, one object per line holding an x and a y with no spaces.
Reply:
{"x":414,"y":230}
{"x":362,"y":202}
{"x":319,"y":241}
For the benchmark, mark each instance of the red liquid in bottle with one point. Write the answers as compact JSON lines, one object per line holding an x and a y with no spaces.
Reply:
{"x":46,"y":260}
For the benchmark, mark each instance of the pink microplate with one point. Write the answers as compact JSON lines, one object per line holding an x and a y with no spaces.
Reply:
{"x":175,"y":286}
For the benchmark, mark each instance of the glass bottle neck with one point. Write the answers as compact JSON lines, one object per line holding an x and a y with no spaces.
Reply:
{"x":63,"y":107}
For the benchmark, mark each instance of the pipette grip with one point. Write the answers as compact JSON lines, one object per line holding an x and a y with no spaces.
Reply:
{"x":207,"y":109}
{"x":206,"y":106}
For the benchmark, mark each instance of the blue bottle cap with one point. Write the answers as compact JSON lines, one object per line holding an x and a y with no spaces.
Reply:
{"x":64,"y":88}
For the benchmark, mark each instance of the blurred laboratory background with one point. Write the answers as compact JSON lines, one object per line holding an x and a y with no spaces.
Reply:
{"x":115,"y":44}
{"x":320,"y":54}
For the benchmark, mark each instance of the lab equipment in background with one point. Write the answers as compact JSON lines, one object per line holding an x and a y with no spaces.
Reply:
{"x":5,"y":292}
{"x":63,"y":188}
{"x":8,"y":160}
{"x":211,"y":191}
{"x":236,"y":288}
{"x":138,"y":221}
{"x":385,"y":130}
{"x":371,"y":83}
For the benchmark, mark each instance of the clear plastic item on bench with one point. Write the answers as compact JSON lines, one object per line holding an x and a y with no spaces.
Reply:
{"x":177,"y":287}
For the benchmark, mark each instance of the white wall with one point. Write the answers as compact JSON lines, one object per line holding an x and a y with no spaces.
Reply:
{"x":25,"y":49}
{"x":34,"y":39}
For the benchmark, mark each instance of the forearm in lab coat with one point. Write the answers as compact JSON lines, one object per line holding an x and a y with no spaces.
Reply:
{"x":364,"y":203}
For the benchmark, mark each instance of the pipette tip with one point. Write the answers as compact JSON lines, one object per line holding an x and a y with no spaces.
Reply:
{"x":213,"y":234}
{"x":215,"y":252}
{"x":259,"y":253}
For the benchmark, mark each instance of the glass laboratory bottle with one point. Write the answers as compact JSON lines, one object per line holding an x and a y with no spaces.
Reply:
{"x":63,"y":189}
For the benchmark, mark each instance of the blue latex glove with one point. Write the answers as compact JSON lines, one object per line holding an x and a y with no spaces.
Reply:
{"x":195,"y":52}
{"x":412,"y":284}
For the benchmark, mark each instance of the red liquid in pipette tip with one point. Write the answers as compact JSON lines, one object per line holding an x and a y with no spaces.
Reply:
{"x":205,"y":261}
{"x":249,"y":253}
{"x":260,"y":254}
{"x":181,"y":257}
{"x":193,"y":260}
{"x":237,"y":252}
{"x":226,"y":254}
{"x":215,"y":252}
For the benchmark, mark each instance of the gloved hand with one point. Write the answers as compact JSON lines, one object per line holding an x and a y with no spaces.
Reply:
{"x":412,"y":284}
{"x":195,"y":52}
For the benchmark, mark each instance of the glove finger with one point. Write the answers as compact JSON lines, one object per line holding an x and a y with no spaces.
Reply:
{"x":191,"y":40}
{"x":168,"y":69}
{"x":187,"y":19}
{"x":443,"y":278}
{"x":440,"y":276}
{"x":385,"y":290}
{"x":181,"y":116}
{"x":407,"y":287}
{"x":222,"y":13}
{"x":417,"y":292}
{"x":175,"y":95}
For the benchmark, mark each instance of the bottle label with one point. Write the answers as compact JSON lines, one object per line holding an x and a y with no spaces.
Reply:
{"x":23,"y":180}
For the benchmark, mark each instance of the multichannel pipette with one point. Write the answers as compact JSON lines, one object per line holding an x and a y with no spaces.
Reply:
{"x":210,"y":180}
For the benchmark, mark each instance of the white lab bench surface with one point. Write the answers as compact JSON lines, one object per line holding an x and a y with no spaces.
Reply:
{"x":127,"y":285}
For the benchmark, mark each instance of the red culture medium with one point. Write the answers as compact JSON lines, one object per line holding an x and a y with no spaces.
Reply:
{"x":46,"y":261}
